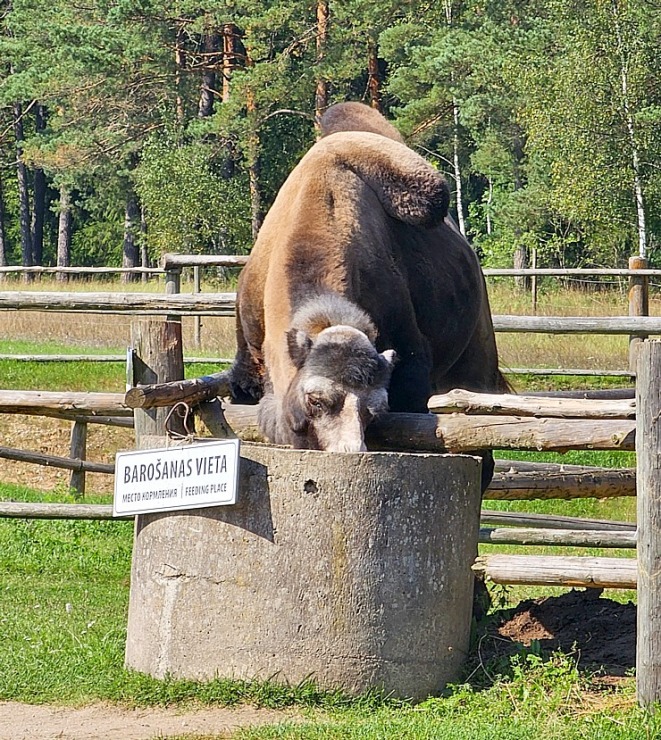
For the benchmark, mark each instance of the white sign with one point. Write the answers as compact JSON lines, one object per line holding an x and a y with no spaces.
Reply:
{"x":185,"y":477}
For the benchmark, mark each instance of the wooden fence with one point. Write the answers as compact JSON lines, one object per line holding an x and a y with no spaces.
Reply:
{"x":510,"y":428}
{"x":172,"y":265}
{"x":175,"y":304}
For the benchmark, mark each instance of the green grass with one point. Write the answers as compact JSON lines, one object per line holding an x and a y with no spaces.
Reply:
{"x":76,"y":376}
{"x":28,"y":347}
{"x":525,"y":382}
{"x":63,"y":598}
{"x":63,"y":376}
{"x":543,"y":703}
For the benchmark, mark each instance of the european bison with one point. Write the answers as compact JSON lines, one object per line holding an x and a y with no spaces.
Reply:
{"x":360,"y":293}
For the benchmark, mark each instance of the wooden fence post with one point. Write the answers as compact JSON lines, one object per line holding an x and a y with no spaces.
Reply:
{"x":173,"y":287}
{"x":78,"y":451}
{"x":638,"y":303}
{"x":173,"y":280}
{"x":197,"y":288}
{"x":648,"y":449}
{"x":157,"y":358}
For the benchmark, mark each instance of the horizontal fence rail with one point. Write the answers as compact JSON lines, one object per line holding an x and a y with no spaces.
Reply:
{"x":52,"y":461}
{"x":174,"y":262}
{"x":552,"y":521}
{"x":543,"y":484}
{"x":149,"y":304}
{"x":561,"y":570}
{"x":577,"y":372}
{"x":108,"y":358}
{"x":468,"y":402}
{"x":223,"y":304}
{"x":634,"y":326}
{"x":103,"y":404}
{"x":180,"y":261}
{"x":569,"y":272}
{"x":557,"y":537}
{"x":39,"y":269}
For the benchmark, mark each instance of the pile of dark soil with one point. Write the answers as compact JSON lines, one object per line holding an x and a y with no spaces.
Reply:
{"x":599,"y":632}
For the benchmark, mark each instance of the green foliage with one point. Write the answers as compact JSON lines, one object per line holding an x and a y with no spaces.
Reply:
{"x":558,"y":115}
{"x":191,"y":207}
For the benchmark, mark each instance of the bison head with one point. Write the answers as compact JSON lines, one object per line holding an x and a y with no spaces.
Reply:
{"x":341,"y":384}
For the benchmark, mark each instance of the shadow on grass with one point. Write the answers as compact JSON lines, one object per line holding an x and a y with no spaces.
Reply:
{"x":597,"y":633}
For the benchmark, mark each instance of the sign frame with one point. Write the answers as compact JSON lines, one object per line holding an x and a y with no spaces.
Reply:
{"x":176,"y":478}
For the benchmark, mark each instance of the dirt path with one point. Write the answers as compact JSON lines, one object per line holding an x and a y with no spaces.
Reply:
{"x":106,"y":722}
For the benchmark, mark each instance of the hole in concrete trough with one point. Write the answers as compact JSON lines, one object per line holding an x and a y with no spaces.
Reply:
{"x":310,"y":486}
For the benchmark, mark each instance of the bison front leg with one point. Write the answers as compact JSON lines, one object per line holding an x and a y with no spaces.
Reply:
{"x":246,"y":374}
{"x":410,"y":387}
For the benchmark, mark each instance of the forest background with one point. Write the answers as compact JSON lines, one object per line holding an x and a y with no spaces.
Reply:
{"x":133,"y":127}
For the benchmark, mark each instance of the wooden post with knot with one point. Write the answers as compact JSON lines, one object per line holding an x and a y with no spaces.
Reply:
{"x":648,"y":449}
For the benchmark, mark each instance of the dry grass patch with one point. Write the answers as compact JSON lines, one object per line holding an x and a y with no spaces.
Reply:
{"x":112,"y":332}
{"x":588,"y":351}
{"x":51,"y":437}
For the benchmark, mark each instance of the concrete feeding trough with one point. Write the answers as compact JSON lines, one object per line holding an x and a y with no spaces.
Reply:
{"x":353,"y":570}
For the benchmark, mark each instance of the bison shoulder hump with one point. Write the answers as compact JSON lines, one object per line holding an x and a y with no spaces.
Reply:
{"x":407,"y":186}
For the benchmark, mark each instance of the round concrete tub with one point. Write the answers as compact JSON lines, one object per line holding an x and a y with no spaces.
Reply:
{"x":350,"y":569}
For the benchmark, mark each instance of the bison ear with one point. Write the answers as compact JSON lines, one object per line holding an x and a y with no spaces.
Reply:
{"x":390,"y":356}
{"x":299,"y":345}
{"x":387,"y":362}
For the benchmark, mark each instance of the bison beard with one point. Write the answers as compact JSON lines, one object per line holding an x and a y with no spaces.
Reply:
{"x":360,"y":293}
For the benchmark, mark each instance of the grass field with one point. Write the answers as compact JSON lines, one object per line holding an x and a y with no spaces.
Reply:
{"x":64,"y":585}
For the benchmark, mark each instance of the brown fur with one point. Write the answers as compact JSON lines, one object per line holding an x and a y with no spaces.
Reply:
{"x":357,"y":117}
{"x":364,"y":218}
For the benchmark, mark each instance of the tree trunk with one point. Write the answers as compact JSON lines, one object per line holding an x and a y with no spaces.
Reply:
{"x":488,"y":205}
{"x":64,"y":232}
{"x":448,"y":8}
{"x":131,"y":229}
{"x":144,"y":252}
{"x":520,"y":262}
{"x":23,"y":191}
{"x":3,"y":240}
{"x":39,"y":204}
{"x":254,"y":166}
{"x":253,"y":159}
{"x":374,"y":77}
{"x":321,"y":92}
{"x":631,"y":132}
{"x":210,"y":48}
{"x":231,"y":53}
{"x":457,"y":168}
{"x":179,"y":64}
